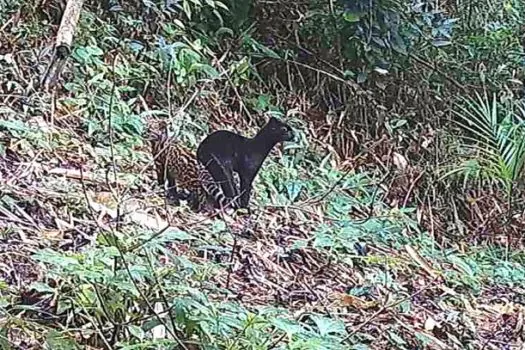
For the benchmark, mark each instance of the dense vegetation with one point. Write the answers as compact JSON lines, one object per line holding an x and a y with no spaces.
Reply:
{"x":394,"y":221}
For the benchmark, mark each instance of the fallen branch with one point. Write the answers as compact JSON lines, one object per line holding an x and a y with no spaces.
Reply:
{"x":63,"y":42}
{"x":78,"y":174}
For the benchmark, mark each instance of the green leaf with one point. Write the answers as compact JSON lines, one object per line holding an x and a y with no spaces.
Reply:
{"x":328,"y":326}
{"x":294,"y":189}
{"x":359,"y":347}
{"x":42,"y":287}
{"x":219,"y":16}
{"x":348,"y":74}
{"x":174,"y":234}
{"x":396,"y":338}
{"x":59,"y":341}
{"x":81,"y":54}
{"x":351,"y":17}
{"x":323,"y":241}
{"x":222,"y":5}
{"x":219,"y":226}
{"x":424,"y":339}
{"x":398,"y":45}
{"x":440,"y":43}
{"x":224,"y":30}
{"x":269,"y":52}
{"x":98,"y":77}
{"x":179,"y":23}
{"x":299,"y":244}
{"x":13,"y":125}
{"x":136,"y":331}
{"x":4,"y":343}
{"x":361,"y":77}
{"x":186,"y":8}
{"x":206,"y":68}
{"x":95,"y":51}
{"x":288,"y":326}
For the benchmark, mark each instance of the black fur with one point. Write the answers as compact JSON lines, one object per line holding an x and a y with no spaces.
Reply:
{"x":224,"y":153}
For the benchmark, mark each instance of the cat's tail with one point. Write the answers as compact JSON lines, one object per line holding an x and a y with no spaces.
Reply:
{"x":213,"y":188}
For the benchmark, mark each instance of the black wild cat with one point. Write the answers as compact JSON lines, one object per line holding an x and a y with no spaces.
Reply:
{"x":224,"y":152}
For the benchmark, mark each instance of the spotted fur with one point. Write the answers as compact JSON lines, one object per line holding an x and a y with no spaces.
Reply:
{"x":187,"y":178}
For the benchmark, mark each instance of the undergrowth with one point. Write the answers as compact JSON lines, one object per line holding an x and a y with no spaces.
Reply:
{"x":330,"y":258}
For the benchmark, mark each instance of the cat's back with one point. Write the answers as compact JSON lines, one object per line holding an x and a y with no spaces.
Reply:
{"x":223,"y":135}
{"x":221,"y":142}
{"x":180,"y":161}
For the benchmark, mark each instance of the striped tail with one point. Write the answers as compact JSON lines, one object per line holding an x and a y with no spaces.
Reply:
{"x":213,"y":189}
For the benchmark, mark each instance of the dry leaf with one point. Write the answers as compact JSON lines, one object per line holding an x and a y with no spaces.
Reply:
{"x":426,"y":143}
{"x":430,"y":324}
{"x":146,"y":220}
{"x":51,"y":234}
{"x":420,"y":261}
{"x":350,"y":300}
{"x":399,"y":161}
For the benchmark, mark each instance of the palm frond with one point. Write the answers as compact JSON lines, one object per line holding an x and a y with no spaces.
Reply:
{"x":495,"y":136}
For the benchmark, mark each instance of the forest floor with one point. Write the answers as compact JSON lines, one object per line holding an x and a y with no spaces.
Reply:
{"x":89,"y":247}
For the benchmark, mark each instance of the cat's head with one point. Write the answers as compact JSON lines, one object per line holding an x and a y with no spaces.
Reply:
{"x":279,"y":130}
{"x":156,"y":133}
